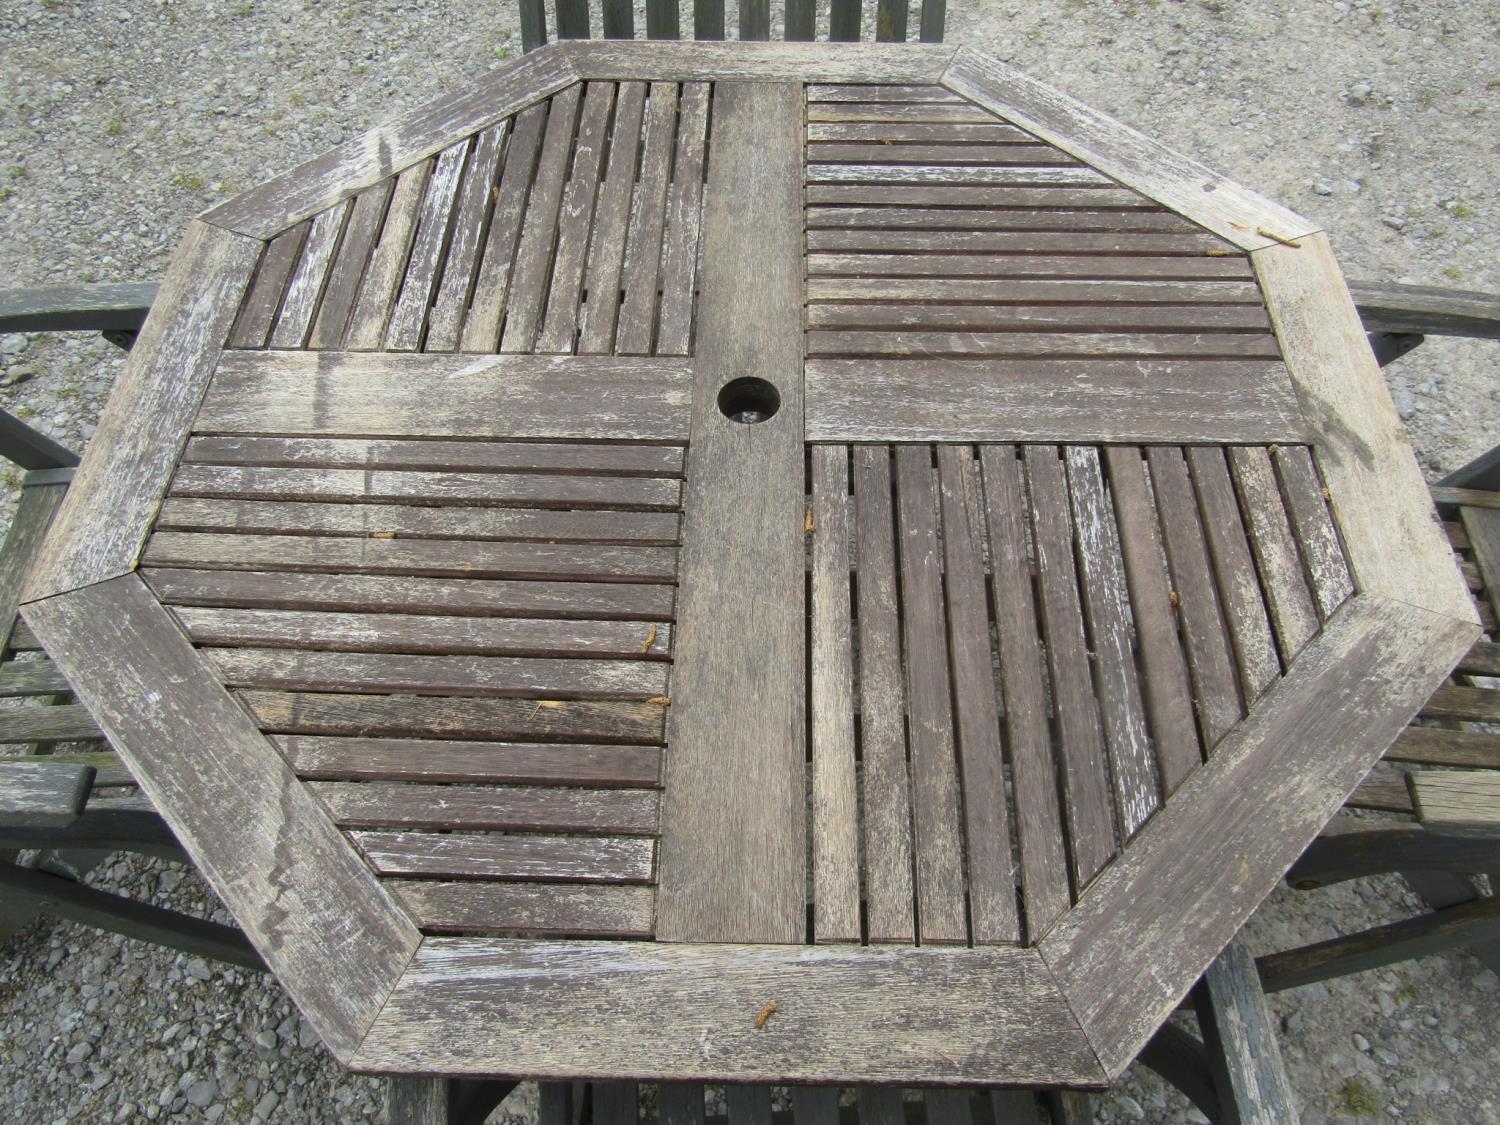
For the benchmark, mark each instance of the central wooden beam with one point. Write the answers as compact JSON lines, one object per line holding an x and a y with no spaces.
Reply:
{"x":733,"y":818}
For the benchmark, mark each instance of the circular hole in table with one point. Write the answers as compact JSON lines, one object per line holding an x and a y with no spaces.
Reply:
{"x":749,"y":400}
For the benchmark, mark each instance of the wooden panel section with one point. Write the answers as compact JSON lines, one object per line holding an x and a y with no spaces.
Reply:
{"x":258,"y":310}
{"x":1322,"y":553}
{"x":966,"y":1015}
{"x":735,"y":765}
{"x":365,"y":218}
{"x":332,"y":936}
{"x":769,"y":62}
{"x":408,"y":318}
{"x":1457,"y":804}
{"x":615,"y":912}
{"x":103,"y":521}
{"x":611,"y":223}
{"x":1083,"y":400}
{"x":434,"y":395}
{"x":1302,"y":750}
{"x":490,"y":807}
{"x":305,"y":288}
{"x":1282,"y":579}
{"x":382,"y":280}
{"x":466,"y":240}
{"x":574,"y":221}
{"x":544,"y":858}
{"x":433,"y":760}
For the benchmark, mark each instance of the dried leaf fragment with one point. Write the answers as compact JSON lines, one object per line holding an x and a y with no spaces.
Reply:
{"x":1274,"y":237}
{"x":765,"y":1014}
{"x":1173,"y":598}
{"x":659,"y":700}
{"x":1218,"y":252}
{"x":807,"y":524}
{"x":382,"y":535}
{"x":650,"y":639}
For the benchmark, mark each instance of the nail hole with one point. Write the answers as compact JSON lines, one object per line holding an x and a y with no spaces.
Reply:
{"x":749,"y":400}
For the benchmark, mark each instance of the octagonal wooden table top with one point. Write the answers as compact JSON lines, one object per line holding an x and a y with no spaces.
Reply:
{"x":749,"y":562}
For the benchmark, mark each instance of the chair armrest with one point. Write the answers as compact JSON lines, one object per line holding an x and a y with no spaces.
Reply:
{"x":1426,"y":310}
{"x":76,"y":308}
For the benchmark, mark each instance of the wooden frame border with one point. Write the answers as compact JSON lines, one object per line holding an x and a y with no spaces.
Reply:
{"x":1193,"y":190}
{"x":689,"y":61}
{"x":104,"y":520}
{"x":287,"y":199}
{"x":329,"y":931}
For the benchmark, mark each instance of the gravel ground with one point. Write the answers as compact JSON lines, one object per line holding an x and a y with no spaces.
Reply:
{"x":119,"y":121}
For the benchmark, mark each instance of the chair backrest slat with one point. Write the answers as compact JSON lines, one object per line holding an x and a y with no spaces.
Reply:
{"x":845,"y":20}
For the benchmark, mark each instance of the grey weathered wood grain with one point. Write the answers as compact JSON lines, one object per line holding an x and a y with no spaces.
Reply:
{"x":412,"y":632}
{"x":1046,"y":400}
{"x":40,"y":794}
{"x":62,"y":723}
{"x":957,"y":1009}
{"x":332,"y":936}
{"x":948,"y":195}
{"x":438,"y":395}
{"x":1184,"y":185}
{"x":948,"y":290}
{"x":1282,"y":579}
{"x":1483,"y":528}
{"x":1039,"y":831}
{"x":1453,"y":803}
{"x":436,"y":760}
{"x":491,"y":807}
{"x":1239,"y":584}
{"x":564,"y":859}
{"x":343,"y":171}
{"x":815,"y":1105}
{"x":1168,"y":693}
{"x":560,"y":325}
{"x":35,"y":510}
{"x":904,"y":132}
{"x":973,"y":344}
{"x":258,"y":309}
{"x":766,"y":62}
{"x":1207,"y":859}
{"x":1094,"y":266}
{"x":736,"y":759}
{"x":1438,"y":747}
{"x":476,"y":907}
{"x":936,"y":826}
{"x":462,"y":260}
{"x":884,"y":239}
{"x":1380,"y":500}
{"x":19,"y":679}
{"x":684,"y":223}
{"x":889,"y":891}
{"x":835,"y":803}
{"x":408,"y":319}
{"x":1322,"y":552}
{"x":365,"y":218}
{"x":998,"y":174}
{"x":381,"y":283}
{"x":896,"y":111}
{"x":612,"y":223}
{"x":1210,"y":659}
{"x":886,"y":152}
{"x":99,"y":530}
{"x":534,"y":254}
{"x":486,"y":315}
{"x":1229,"y":321}
{"x":432,"y":717}
{"x":394,"y":593}
{"x":643,"y":249}
{"x":1106,"y":606}
{"x":1239,"y":1031}
{"x":305,"y":288}
{"x":1082,"y":767}
{"x":883,"y":92}
{"x":986,"y":814}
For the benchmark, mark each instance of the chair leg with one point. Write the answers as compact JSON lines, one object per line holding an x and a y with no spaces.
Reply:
{"x":1183,"y":1062}
{"x":1070,"y":1107}
{"x":1239,"y":1033}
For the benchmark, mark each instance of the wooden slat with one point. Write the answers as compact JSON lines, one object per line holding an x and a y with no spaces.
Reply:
{"x":1080,"y":741}
{"x":492,"y":807}
{"x":684,"y":222}
{"x":611,"y":223}
{"x":1239,"y":586}
{"x":680,"y":1103}
{"x":1472,"y":704}
{"x":426,"y":674}
{"x":1165,"y":678}
{"x":355,"y":248}
{"x":1093,"y":266}
{"x":343,"y":171}
{"x":41,"y":794}
{"x":382,"y":279}
{"x":1453,"y":803}
{"x":461,"y":261}
{"x":1004,"y":400}
{"x":774,"y":62}
{"x":1210,"y":661}
{"x":1481,"y":660}
{"x":547,"y":858}
{"x":523,"y":314}
{"x":1282,"y":578}
{"x":947,"y":195}
{"x":755,"y":26}
{"x":648,"y":215}
{"x":835,"y":803}
{"x":1030,"y":292}
{"x":1436,"y":746}
{"x":1314,"y":735}
{"x":1224,"y":207}
{"x":882,"y":92}
{"x":258,"y":311}
{"x":1382,"y":792}
{"x":615,"y":912}
{"x":538,"y":490}
{"x":411,"y":632}
{"x":65,"y":723}
{"x":389,"y":759}
{"x":560,"y":327}
{"x":1232,"y":322}
{"x":1044,"y":870}
{"x":457,"y":559}
{"x":103,"y":521}
{"x":995,"y":174}
{"x":481,"y":330}
{"x":1106,"y":607}
{"x":1380,"y":499}
{"x":360,"y":393}
{"x":19,"y":548}
{"x":932,"y":344}
{"x":1322,"y":553}
{"x":905,"y":132}
{"x":396,"y":594}
{"x":936,"y":825}
{"x":19,"y":679}
{"x":392,"y":521}
{"x":294,"y":321}
{"x":428,"y":717}
{"x":887,"y":799}
{"x":333,"y":937}
{"x":966,"y":1014}
{"x":885,"y":152}
{"x":735,"y":770}
{"x":1483,"y":526}
{"x":1023,"y":243}
{"x":986,"y":818}
{"x":957,"y":110}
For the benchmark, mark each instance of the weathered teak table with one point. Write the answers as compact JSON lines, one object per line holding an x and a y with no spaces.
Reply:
{"x":753,"y":563}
